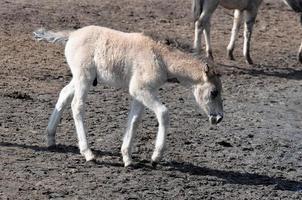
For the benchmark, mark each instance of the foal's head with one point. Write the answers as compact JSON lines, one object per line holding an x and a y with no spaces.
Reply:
{"x":208,"y":95}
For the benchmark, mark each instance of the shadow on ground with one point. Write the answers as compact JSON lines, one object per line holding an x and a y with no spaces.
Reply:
{"x":265,"y":70}
{"x":231,"y":177}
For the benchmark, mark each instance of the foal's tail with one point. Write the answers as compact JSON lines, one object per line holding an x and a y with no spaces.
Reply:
{"x":196,"y":8}
{"x":60,"y":37}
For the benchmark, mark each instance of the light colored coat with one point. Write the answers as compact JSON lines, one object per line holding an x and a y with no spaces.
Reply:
{"x":132,"y":61}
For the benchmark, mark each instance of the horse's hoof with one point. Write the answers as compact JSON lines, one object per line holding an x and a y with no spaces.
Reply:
{"x":154,"y":164}
{"x":230,"y":56}
{"x":300,"y":57}
{"x":52,"y":147}
{"x":210,"y":56}
{"x":51,"y":144}
{"x":196,"y":52}
{"x":249,"y":61}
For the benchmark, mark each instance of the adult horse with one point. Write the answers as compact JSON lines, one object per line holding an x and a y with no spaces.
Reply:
{"x":202,"y":12}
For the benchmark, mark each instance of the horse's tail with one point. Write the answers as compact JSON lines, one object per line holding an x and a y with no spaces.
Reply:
{"x":60,"y":37}
{"x":196,"y":8}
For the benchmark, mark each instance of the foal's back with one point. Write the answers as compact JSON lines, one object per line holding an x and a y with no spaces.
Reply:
{"x":115,"y":56}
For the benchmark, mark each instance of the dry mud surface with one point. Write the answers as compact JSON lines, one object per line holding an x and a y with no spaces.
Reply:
{"x":256,"y":153}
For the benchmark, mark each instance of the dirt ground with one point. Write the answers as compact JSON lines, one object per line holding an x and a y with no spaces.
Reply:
{"x":255,"y":153}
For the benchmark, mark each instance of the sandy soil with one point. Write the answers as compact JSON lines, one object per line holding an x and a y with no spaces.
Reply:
{"x":256,"y":153}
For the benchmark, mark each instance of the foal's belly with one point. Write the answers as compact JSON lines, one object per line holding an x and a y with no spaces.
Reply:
{"x":115,"y":76}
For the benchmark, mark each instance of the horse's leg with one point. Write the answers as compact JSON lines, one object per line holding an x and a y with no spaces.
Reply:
{"x":300,"y":54}
{"x":197,"y":37}
{"x":300,"y":49}
{"x":236,"y":26}
{"x":207,"y":36}
{"x":197,"y":10}
{"x":250,"y":19}
{"x":134,"y":117}
{"x":82,"y":84}
{"x":150,"y":100}
{"x":203,"y":25}
{"x":65,"y":98}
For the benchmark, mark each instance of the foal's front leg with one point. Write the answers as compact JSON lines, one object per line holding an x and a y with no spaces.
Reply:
{"x":135,"y":114}
{"x":151,"y":101}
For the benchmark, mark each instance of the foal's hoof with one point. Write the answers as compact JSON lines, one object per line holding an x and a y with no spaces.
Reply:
{"x":51,"y":141}
{"x":91,"y":162}
{"x":89,"y":156}
{"x":128,"y":163}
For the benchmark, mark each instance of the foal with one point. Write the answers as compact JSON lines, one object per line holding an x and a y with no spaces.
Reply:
{"x":202,"y":12}
{"x":135,"y":62}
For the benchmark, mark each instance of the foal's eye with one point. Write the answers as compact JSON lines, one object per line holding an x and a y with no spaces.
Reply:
{"x":214,"y":94}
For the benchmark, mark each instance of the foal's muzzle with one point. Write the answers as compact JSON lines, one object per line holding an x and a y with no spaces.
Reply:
{"x":215,"y":119}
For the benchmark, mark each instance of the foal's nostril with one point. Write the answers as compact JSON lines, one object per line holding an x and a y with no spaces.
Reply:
{"x":219,"y":118}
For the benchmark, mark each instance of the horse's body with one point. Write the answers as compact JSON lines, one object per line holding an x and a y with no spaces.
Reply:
{"x":296,"y":5}
{"x":135,"y":62}
{"x":202,"y":12}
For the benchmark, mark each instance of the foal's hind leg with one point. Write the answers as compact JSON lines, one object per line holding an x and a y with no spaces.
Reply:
{"x":150,"y":100}
{"x":134,"y":117}
{"x":81,"y":85}
{"x":250,"y":19}
{"x":65,"y":98}
{"x":236,"y":26}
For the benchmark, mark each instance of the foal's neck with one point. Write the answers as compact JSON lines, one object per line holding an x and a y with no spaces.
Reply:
{"x":183,"y":67}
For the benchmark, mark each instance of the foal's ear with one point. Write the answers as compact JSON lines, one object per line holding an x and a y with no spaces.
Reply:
{"x":206,"y":68}
{"x":206,"y":72}
{"x":210,"y":70}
